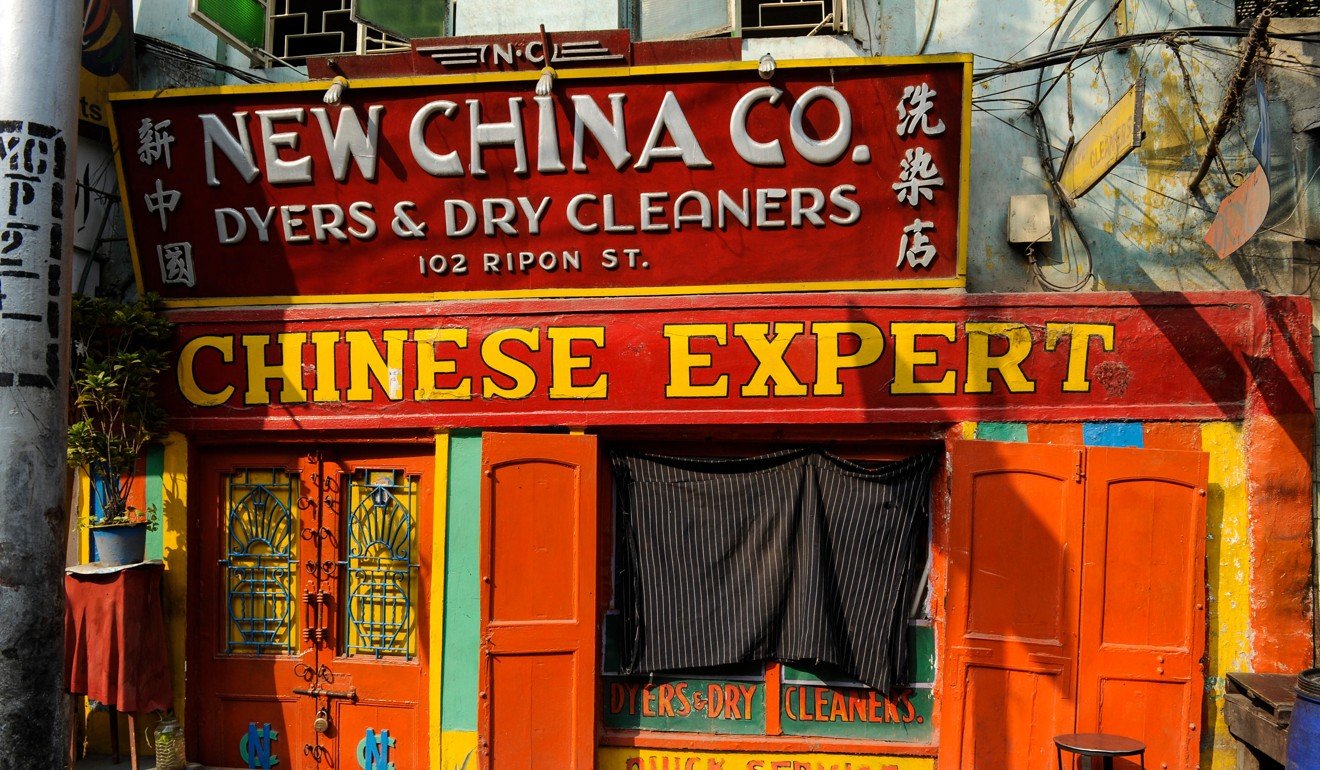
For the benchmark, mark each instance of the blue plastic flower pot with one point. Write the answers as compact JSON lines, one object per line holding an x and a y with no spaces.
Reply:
{"x":120,"y":544}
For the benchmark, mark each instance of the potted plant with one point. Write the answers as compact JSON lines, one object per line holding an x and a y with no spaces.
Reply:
{"x":119,"y":354}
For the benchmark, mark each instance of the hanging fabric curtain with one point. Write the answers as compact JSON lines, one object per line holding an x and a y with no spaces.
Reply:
{"x":794,"y":556}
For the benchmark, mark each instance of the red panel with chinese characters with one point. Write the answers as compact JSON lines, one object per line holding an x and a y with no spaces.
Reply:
{"x":659,"y":180}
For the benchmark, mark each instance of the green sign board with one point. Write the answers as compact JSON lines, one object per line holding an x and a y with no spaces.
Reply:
{"x":727,"y":707}
{"x":829,"y":711}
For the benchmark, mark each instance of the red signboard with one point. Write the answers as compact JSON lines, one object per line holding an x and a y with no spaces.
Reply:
{"x":840,"y":174}
{"x":839,"y":358}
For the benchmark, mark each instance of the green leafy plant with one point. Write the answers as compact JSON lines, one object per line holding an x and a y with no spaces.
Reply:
{"x":119,"y":353}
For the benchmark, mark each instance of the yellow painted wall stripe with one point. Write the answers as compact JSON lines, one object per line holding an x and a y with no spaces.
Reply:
{"x":459,"y":748}
{"x":1228,"y":554}
{"x":436,"y":645}
{"x":174,"y":544}
{"x":552,"y":293}
{"x":82,"y":513}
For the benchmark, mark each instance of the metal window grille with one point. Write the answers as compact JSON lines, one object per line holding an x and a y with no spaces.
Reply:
{"x":1250,"y":9}
{"x":767,"y":18}
{"x":303,"y":28}
{"x":260,"y":561}
{"x":380,"y":555}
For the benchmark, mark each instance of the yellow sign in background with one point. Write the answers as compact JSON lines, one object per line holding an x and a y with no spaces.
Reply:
{"x":1104,"y":146}
{"x":107,"y":57}
{"x":660,"y":759}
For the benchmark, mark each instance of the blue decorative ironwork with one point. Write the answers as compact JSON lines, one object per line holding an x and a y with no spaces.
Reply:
{"x":254,"y":746}
{"x":373,"y":751}
{"x":381,"y":575}
{"x":260,"y":564}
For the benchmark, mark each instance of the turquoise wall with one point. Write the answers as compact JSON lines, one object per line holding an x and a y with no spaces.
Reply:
{"x":458,"y":706}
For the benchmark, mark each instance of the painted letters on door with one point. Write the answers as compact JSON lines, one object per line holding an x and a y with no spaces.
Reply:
{"x":538,"y":602}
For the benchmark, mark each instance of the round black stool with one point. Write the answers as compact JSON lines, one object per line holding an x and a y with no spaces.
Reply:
{"x":1099,"y":745}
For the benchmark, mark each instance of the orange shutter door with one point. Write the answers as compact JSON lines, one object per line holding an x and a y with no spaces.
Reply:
{"x":538,"y":602}
{"x":1143,"y":588}
{"x":1011,"y":609}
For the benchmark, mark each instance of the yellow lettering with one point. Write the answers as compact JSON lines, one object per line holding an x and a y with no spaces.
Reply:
{"x":327,"y":380}
{"x":429,"y":367}
{"x":288,"y":369}
{"x":1079,"y":349}
{"x":188,"y":377}
{"x":1008,"y":364}
{"x":365,"y":363}
{"x":769,"y":354}
{"x":563,"y":363}
{"x":682,"y":361}
{"x":830,"y":360}
{"x":907,"y":358}
{"x":523,"y":376}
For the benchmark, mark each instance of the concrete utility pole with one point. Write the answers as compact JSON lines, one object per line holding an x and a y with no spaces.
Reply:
{"x":40,"y":50}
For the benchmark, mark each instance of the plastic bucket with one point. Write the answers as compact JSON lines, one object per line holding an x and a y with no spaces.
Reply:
{"x":120,"y":544}
{"x":1304,"y":731}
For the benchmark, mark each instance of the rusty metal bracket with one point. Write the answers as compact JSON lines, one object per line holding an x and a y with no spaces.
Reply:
{"x":316,"y":692}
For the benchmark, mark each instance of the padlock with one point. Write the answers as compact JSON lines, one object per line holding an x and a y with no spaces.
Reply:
{"x":322,"y":721}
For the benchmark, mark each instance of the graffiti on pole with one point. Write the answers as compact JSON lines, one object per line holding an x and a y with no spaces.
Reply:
{"x":32,"y":158}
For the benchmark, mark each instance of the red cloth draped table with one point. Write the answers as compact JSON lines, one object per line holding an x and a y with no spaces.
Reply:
{"x":114,"y":640}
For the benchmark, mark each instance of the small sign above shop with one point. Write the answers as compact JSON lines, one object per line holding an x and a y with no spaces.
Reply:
{"x":684,"y":179}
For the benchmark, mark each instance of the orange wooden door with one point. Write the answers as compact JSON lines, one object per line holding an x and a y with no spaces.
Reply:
{"x":1012,"y":604}
{"x":537,"y":684}
{"x":1143,"y":612}
{"x":310,"y":602}
{"x":375,"y":605}
{"x":247,"y":649}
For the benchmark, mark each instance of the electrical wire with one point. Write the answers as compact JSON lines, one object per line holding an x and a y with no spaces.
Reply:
{"x":930,"y":26}
{"x":167,"y":50}
{"x":1062,"y":55}
{"x":1043,"y":147}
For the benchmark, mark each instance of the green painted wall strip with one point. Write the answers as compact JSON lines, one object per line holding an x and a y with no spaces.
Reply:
{"x":462,"y":588}
{"x":155,"y":499}
{"x":1002,"y":431}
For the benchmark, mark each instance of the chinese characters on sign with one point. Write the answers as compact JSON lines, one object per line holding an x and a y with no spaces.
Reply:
{"x":175,"y":259}
{"x":676,"y":182}
{"x":32,"y":158}
{"x":918,"y":178}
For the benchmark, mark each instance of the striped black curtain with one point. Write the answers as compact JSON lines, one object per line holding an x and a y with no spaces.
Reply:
{"x":793,"y":556}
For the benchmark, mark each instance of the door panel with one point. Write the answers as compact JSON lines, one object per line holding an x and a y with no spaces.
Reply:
{"x":1143,"y":583}
{"x":538,"y":602}
{"x":1011,"y":718}
{"x":1011,"y":609}
{"x":381,"y":536}
{"x":1076,"y":601}
{"x":247,"y":608}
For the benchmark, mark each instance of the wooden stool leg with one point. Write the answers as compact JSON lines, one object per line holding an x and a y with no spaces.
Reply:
{"x":114,"y":734}
{"x":132,"y":742}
